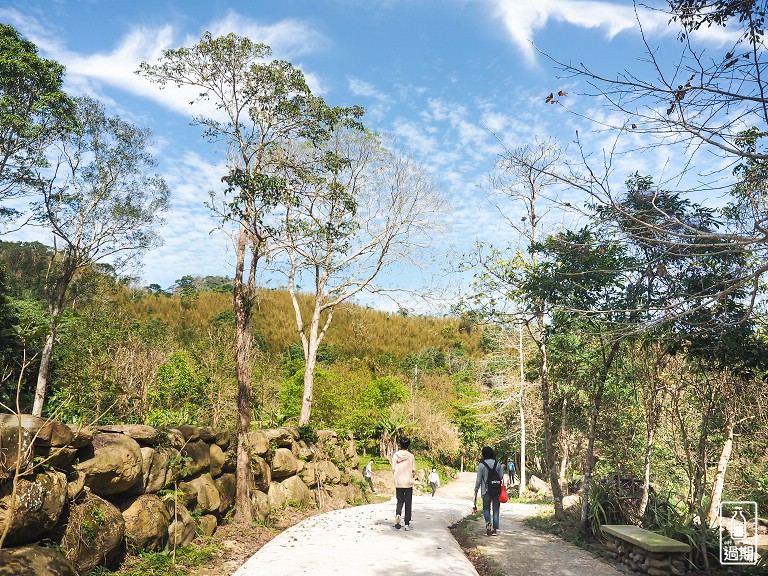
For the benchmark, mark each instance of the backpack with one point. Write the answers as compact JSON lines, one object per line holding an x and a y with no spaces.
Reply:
{"x":492,"y":481}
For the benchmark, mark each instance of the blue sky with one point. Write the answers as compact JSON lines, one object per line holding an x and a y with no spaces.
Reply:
{"x":436,"y":74}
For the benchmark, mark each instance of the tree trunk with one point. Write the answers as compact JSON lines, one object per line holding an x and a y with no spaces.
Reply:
{"x":590,"y":456}
{"x":722,"y":464}
{"x":309,"y":385}
{"x":564,"y":439}
{"x":55,"y":296}
{"x":242,"y":309}
{"x":549,"y":439}
{"x":310,"y":362}
{"x":646,"y":471}
{"x":522,"y":416}
{"x":44,"y":370}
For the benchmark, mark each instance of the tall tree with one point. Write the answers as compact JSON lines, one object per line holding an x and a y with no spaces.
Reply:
{"x":100,"y":202}
{"x":33,"y":110}
{"x":525,"y":177}
{"x":582,"y":278}
{"x":363,"y":210}
{"x":261,"y":105}
{"x":705,"y":109}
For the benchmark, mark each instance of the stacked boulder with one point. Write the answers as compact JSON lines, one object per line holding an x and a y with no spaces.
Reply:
{"x":91,"y":490}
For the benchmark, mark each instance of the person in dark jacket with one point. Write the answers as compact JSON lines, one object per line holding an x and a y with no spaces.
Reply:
{"x":487,"y":464}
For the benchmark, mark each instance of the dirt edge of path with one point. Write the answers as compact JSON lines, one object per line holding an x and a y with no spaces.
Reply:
{"x":485,"y":566}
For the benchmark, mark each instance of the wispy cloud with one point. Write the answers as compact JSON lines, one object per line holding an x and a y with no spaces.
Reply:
{"x":359,"y":87}
{"x":289,"y":39}
{"x":524,"y":18}
{"x":89,"y":73}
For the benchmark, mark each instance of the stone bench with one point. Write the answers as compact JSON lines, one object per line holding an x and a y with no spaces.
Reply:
{"x":645,"y":551}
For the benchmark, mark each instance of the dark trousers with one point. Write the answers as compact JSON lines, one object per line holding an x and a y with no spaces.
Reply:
{"x":404,"y":496}
{"x":489,"y":502}
{"x":370,"y":483}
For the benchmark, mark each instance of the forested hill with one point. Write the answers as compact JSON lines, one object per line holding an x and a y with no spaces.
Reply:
{"x":356,"y":331}
{"x":196,"y":302}
{"x":165,"y":357}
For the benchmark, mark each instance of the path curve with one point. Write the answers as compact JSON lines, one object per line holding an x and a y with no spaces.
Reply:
{"x":363,"y":541}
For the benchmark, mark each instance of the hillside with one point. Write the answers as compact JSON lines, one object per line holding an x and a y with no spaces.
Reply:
{"x":355,"y":331}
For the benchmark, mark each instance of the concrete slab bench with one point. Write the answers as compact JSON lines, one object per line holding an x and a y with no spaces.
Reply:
{"x":645,"y":551}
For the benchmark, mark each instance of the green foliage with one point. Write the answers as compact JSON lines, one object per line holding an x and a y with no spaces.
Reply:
{"x":33,"y":110}
{"x":10,"y":343}
{"x":185,"y":288}
{"x":90,"y":525}
{"x":178,"y":395}
{"x":467,"y":415}
{"x":426,"y":359}
{"x":162,"y":563}
{"x":26,"y":264}
{"x":180,"y":464}
{"x":290,"y":392}
{"x":380,"y":393}
{"x":756,"y":481}
{"x":670,"y":517}
{"x":308,"y":433}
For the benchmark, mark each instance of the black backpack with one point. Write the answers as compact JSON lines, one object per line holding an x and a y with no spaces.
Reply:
{"x":492,"y":481}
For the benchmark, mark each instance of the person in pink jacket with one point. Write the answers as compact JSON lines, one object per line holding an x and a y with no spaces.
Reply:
{"x":404,"y":468}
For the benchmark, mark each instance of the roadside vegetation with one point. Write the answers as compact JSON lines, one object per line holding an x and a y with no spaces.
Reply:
{"x":622,"y":360}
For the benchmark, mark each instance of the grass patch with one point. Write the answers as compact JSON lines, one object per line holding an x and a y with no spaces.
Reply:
{"x":568,"y":529}
{"x":162,"y":563}
{"x":547,"y":500}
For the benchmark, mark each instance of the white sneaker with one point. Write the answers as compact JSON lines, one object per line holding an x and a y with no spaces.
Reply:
{"x":397,"y":522}
{"x":408,"y":527}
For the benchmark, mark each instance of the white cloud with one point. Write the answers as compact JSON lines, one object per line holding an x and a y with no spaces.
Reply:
{"x":524,"y":18}
{"x":359,"y":87}
{"x":87,"y":73}
{"x":288,"y":38}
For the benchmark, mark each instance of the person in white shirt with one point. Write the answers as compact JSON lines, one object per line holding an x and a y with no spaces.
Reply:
{"x":368,"y":473}
{"x":434,"y":481}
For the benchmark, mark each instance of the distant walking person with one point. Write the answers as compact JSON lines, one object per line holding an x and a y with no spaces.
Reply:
{"x":488,"y":481}
{"x":434,"y":481}
{"x":511,"y":471}
{"x":368,"y":472}
{"x":404,"y":467}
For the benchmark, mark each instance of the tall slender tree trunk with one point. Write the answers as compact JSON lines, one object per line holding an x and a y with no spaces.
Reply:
{"x":650,"y":433}
{"x":564,"y":439}
{"x":549,"y":440}
{"x":652,"y":412}
{"x":589,"y":465}
{"x":722,"y":464}
{"x":522,"y":414}
{"x":310,"y":363}
{"x":590,"y":456}
{"x":242,"y":308}
{"x":56,"y":295}
{"x":44,"y":370}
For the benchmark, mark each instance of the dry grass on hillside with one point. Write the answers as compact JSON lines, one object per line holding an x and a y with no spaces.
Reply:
{"x":355,"y":330}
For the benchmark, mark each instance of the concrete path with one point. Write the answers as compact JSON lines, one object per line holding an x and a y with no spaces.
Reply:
{"x":363,"y":541}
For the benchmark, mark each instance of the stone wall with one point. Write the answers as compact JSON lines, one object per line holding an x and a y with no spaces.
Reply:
{"x":641,"y":560}
{"x":92,"y":490}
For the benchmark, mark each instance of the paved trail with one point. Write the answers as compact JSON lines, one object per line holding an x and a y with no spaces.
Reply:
{"x":362,"y":541}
